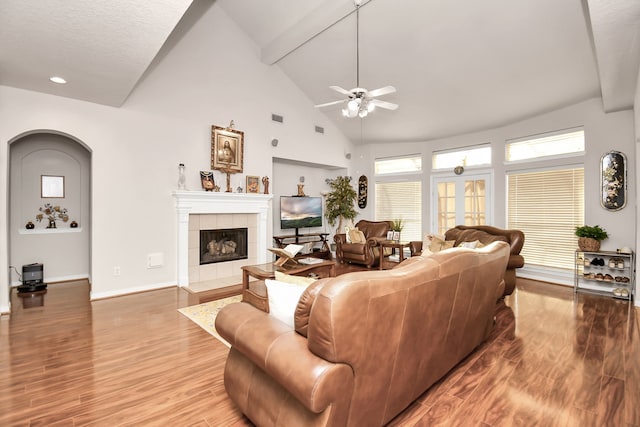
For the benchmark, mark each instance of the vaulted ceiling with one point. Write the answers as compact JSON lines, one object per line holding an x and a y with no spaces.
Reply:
{"x":458,"y":66}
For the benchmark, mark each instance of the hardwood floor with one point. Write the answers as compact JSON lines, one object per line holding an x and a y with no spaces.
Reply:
{"x":554,"y":359}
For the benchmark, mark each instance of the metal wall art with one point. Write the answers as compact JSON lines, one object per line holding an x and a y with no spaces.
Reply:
{"x":613,"y":170}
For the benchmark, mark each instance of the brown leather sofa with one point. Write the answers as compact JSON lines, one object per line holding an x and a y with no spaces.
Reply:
{"x":487,"y":234}
{"x":365,"y":344}
{"x":362,"y":253}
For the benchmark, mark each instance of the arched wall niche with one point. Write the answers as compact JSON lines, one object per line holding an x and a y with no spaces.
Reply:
{"x":65,"y":251}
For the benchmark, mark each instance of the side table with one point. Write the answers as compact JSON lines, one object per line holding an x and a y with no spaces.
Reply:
{"x":393,"y":245}
{"x":256,"y":295}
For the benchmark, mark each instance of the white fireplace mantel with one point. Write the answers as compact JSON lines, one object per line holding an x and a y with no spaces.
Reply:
{"x":202,"y":202}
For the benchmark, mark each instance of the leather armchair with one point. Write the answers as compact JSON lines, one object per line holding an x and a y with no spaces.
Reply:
{"x":362,"y":253}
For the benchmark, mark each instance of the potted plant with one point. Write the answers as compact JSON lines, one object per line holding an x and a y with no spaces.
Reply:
{"x":396,"y":226}
{"x":340,"y":201}
{"x":589,"y":237}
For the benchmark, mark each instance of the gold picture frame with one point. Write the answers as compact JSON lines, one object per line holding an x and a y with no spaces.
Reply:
{"x":227,"y":149}
{"x":253,"y":184}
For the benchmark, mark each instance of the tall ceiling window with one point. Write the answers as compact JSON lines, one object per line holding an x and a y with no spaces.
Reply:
{"x":567,"y":142}
{"x":478,"y":155}
{"x":547,"y":203}
{"x":398,"y":193}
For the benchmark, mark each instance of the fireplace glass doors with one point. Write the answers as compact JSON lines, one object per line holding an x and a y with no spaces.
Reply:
{"x":223,"y":245}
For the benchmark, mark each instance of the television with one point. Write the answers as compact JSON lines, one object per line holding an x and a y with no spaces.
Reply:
{"x":300,"y":212}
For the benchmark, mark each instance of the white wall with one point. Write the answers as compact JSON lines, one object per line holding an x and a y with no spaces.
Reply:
{"x":63,"y":251}
{"x":210,"y":76}
{"x":603,"y":133}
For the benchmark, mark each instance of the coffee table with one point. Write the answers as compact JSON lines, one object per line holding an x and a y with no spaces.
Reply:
{"x":394,"y":245}
{"x":256,"y":294}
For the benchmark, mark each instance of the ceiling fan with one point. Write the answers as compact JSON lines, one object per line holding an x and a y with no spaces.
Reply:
{"x":360,"y":101}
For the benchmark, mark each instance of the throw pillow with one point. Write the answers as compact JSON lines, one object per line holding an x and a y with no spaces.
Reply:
{"x":294,"y":280}
{"x":283,"y":300}
{"x":432,"y":243}
{"x":448,"y":244}
{"x":470,"y":245}
{"x":346,"y":233}
{"x":357,"y":236}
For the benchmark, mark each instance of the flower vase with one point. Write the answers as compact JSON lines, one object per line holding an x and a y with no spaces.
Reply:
{"x":52,"y":223}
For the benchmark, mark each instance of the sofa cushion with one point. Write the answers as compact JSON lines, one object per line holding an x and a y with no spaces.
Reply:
{"x":283,"y":299}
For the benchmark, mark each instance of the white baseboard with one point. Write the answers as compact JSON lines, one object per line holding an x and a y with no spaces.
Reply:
{"x":551,"y":275}
{"x":120,"y":292}
{"x":58,"y":279}
{"x":5,"y":309}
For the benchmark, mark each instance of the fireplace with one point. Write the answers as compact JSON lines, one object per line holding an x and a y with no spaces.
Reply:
{"x":222,"y":245}
{"x":208,"y":210}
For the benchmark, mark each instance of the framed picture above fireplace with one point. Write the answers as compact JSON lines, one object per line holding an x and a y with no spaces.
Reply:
{"x":227,"y":149}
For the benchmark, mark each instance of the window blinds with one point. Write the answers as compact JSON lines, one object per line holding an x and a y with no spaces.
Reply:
{"x":547,"y":206}
{"x":395,"y":200}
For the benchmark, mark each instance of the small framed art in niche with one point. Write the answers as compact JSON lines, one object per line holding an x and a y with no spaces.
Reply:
{"x":51,"y":187}
{"x":613,"y":169}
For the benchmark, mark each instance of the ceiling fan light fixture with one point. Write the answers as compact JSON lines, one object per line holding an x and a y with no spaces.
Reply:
{"x":370,"y":106}
{"x":360,"y":102}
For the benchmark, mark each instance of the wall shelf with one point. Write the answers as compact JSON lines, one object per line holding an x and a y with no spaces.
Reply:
{"x":49,"y":230}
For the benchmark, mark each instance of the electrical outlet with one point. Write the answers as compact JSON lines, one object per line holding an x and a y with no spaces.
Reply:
{"x":116,"y":271}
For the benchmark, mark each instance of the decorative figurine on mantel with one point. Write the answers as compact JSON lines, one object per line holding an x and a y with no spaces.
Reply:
{"x":301,"y":190}
{"x":182,"y":180}
{"x":206,"y":178}
{"x":265,"y":183}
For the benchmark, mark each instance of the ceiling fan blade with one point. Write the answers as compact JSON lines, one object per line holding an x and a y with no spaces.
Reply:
{"x":340,"y":90}
{"x":329,"y":103}
{"x":384,"y":104}
{"x":382,"y":91}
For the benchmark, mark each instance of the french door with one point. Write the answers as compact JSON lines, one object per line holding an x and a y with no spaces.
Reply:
{"x":460,"y":200}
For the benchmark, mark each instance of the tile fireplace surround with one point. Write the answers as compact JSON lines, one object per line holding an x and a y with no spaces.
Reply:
{"x":222,"y":210}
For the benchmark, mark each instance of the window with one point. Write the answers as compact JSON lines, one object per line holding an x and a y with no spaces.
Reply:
{"x":471,"y":156}
{"x":399,"y":193}
{"x":395,"y":200}
{"x":398,"y":165}
{"x":547,"y":205}
{"x":546,"y":145}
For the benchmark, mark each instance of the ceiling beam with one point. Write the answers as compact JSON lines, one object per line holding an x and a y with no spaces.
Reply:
{"x":616,"y":38}
{"x":316,"y":22}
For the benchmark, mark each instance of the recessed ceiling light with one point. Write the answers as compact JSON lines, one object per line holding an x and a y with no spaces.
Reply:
{"x":57,"y":79}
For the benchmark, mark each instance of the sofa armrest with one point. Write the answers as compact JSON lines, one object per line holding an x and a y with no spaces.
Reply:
{"x":284,"y":355}
{"x":340,"y":238}
{"x":374,"y":241}
{"x":516,"y":261}
{"x":415,"y":248}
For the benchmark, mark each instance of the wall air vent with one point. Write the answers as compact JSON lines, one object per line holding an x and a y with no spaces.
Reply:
{"x":319,"y":129}
{"x":277,"y":118}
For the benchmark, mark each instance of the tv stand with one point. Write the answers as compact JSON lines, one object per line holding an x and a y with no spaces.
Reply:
{"x":323,"y":251}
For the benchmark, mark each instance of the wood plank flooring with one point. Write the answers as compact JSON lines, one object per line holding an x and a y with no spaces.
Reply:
{"x":554,"y":359}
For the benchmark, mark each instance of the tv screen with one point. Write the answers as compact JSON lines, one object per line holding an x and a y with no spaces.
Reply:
{"x":300,"y":212}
